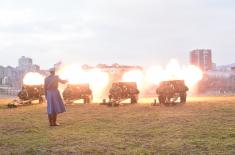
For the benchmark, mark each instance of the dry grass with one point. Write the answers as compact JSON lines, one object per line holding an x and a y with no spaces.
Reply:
{"x":202,"y":126}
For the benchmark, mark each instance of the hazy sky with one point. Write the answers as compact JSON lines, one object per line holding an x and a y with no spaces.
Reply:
{"x":142,"y":32}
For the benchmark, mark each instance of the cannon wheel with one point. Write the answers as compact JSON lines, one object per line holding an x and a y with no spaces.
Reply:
{"x":162,"y":99}
{"x":134,"y":99}
{"x":87,"y":100}
{"x":183,"y":98}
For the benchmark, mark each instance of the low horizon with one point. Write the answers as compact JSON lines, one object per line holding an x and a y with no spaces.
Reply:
{"x":94,"y":64}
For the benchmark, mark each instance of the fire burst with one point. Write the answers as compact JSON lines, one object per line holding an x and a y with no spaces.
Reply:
{"x":134,"y":76}
{"x":73,"y":74}
{"x":173,"y":71}
{"x":155,"y":74}
{"x":100,"y":80}
{"x":97,"y":79}
{"x":33,"y":78}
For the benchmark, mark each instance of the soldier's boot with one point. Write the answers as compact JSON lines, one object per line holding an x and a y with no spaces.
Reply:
{"x":54,"y":120}
{"x":50,"y":119}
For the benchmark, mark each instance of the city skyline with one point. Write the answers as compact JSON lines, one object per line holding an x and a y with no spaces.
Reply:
{"x":17,"y":63}
{"x":127,"y":32}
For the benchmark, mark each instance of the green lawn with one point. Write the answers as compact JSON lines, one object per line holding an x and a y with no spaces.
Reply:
{"x":205,"y":125}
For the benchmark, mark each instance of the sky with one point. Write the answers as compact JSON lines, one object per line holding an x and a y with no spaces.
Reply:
{"x":134,"y":32}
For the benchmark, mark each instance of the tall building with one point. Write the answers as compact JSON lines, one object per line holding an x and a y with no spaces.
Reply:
{"x":233,"y":69}
{"x":25,"y":63}
{"x":202,"y":58}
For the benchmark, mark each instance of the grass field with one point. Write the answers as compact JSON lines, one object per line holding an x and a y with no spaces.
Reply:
{"x":205,"y":125}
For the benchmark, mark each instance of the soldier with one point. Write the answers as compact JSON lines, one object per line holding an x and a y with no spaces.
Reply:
{"x":55,"y":104}
{"x":23,"y":94}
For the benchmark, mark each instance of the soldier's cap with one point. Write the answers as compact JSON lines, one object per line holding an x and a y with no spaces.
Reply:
{"x":52,"y":70}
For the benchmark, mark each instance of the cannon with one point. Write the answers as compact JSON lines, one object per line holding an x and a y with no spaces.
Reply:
{"x":28,"y":94}
{"x":75,"y":92}
{"x":169,"y":92}
{"x":121,"y":91}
